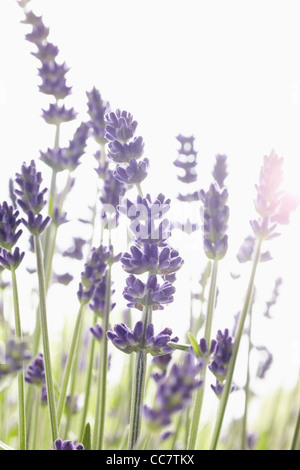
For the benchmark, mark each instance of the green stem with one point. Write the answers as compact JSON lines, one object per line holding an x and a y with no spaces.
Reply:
{"x":231,"y":366}
{"x":101,"y":398}
{"x":36,"y":413}
{"x":296,"y":433}
{"x":207,"y":334}
{"x":88,"y":385}
{"x":138,"y":385}
{"x":139,"y":188}
{"x":45,"y":338}
{"x":21,"y":394}
{"x":69,"y":365}
{"x":247,"y":387}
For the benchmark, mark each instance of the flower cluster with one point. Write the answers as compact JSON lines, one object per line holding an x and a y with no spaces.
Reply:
{"x":272,"y":204}
{"x":174,"y":392}
{"x":67,"y":445}
{"x":31,"y":197}
{"x":220,"y":360}
{"x":16,"y":353}
{"x":67,"y":158}
{"x":220,"y":170}
{"x":92,"y":286}
{"x":124,"y":148}
{"x":97,"y":109}
{"x":130,"y":341}
{"x":215,"y":215}
{"x":35,"y":374}
{"x":187,"y":161}
{"x":51,"y":72}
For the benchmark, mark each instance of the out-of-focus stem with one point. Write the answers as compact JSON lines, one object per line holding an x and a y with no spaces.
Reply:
{"x":296,"y":433}
{"x":88,"y":385}
{"x":138,"y":385}
{"x":45,"y":338}
{"x":21,"y":395}
{"x":207,"y":334}
{"x":69,"y":365}
{"x":240,"y":329}
{"x":100,"y":416}
{"x":247,"y":387}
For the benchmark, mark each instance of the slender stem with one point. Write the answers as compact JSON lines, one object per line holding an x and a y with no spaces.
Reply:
{"x":45,"y":338}
{"x":296,"y":433}
{"x":207,"y":334}
{"x":36,"y":414}
{"x":69,"y":365}
{"x":88,"y":386}
{"x":139,"y":188}
{"x":247,"y":387}
{"x":231,"y":366}
{"x":21,"y":394}
{"x":138,"y":385}
{"x":100,"y":423}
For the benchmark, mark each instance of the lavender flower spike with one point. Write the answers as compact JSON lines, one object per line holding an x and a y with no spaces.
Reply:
{"x":129,"y":341}
{"x":67,"y":445}
{"x":35,"y":374}
{"x":174,"y":393}
{"x":9,"y":223}
{"x":31,"y":198}
{"x":215,"y":215}
{"x":220,"y":170}
{"x":272,"y":204}
{"x":138,"y":294}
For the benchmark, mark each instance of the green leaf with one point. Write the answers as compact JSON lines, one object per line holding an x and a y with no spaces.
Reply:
{"x":87,"y":440}
{"x":182,"y":347}
{"x":194,"y":344}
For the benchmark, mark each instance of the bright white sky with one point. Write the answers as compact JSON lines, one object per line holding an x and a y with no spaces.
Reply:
{"x":226,"y":72}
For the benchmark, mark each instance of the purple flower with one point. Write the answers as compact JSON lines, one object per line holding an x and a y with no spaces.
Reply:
{"x":67,"y":445}
{"x":11,"y":261}
{"x":222,"y":355}
{"x":215,"y":215}
{"x":129,"y":341}
{"x":187,"y":159}
{"x":35,"y":374}
{"x":113,"y":190}
{"x":220,"y":170}
{"x":9,"y":223}
{"x":146,"y":216}
{"x":72,"y":405}
{"x":75,"y":251}
{"x":97,"y":332}
{"x":246,"y":251}
{"x":271,"y":203}
{"x":38,"y":34}
{"x":16,"y":353}
{"x":97,"y":304}
{"x":56,"y":114}
{"x":119,"y":131}
{"x":265,"y":363}
{"x":60,"y":159}
{"x":63,"y":279}
{"x":149,"y":257}
{"x":138,"y":294}
{"x":174,"y":392}
{"x":97,"y":109}
{"x":273,"y":300}
{"x":31,"y":198}
{"x":133,"y":173}
{"x":46,"y":52}
{"x":94,"y":269}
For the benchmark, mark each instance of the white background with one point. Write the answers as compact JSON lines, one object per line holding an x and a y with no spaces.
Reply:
{"x":226,"y":72}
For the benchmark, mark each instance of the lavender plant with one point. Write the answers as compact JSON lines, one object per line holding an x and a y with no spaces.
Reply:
{"x":67,"y":396}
